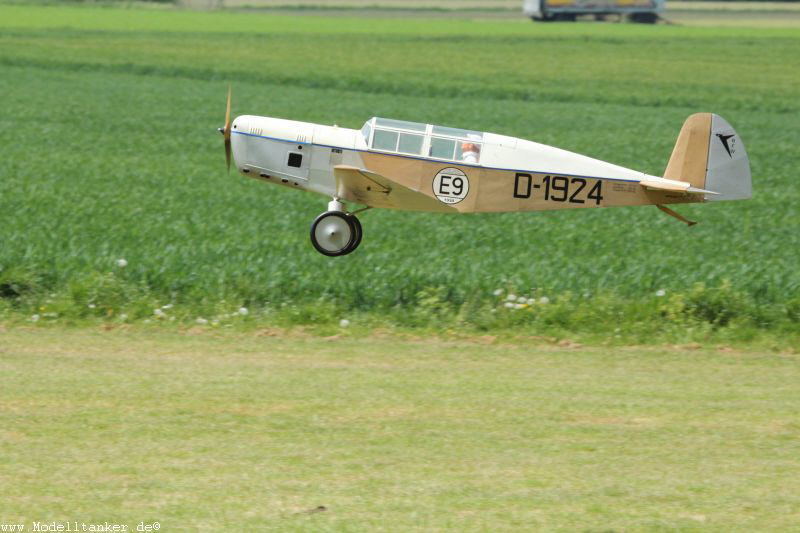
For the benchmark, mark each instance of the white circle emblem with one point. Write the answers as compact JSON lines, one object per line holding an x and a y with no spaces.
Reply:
{"x":450,"y":185}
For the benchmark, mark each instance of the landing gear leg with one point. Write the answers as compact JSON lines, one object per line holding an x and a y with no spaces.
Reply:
{"x":336,"y":232}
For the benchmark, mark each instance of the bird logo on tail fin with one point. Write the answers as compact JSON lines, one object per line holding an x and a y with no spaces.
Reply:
{"x":728,"y":147}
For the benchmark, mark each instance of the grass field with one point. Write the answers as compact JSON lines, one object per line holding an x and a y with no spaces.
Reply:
{"x":245,"y":433}
{"x":110,"y":151}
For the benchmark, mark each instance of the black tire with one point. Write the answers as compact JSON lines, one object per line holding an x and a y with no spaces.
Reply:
{"x":643,"y":18}
{"x":337,"y":231}
{"x":357,"y":232}
{"x":565,"y":17}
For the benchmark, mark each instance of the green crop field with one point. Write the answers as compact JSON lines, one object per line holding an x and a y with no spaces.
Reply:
{"x":235,"y":432}
{"x":110,"y":151}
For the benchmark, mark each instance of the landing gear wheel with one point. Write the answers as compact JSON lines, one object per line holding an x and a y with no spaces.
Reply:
{"x":335,"y":233}
{"x":357,"y":231}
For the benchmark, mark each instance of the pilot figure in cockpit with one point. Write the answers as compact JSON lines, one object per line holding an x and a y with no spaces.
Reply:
{"x":470,"y":152}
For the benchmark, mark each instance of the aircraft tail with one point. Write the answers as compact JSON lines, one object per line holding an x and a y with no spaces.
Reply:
{"x":710,"y":155}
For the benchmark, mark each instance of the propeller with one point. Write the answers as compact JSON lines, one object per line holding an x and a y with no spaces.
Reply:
{"x":226,"y":130}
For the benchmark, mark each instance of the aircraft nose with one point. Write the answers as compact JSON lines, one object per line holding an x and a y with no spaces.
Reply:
{"x":236,"y":125}
{"x":239,"y":124}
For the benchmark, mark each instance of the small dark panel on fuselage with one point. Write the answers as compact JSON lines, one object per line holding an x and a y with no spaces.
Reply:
{"x":295,"y":160}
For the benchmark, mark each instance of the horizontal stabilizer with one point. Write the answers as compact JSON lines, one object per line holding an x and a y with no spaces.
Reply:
{"x":673,"y":186}
{"x":700,"y":191}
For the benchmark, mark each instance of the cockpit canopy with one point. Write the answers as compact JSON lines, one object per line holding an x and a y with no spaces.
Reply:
{"x":426,"y":140}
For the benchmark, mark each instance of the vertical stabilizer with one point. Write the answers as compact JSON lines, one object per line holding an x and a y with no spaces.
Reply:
{"x":710,"y":155}
{"x":690,"y":156}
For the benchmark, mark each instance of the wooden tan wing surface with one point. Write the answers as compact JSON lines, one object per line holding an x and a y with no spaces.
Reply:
{"x":361,"y":186}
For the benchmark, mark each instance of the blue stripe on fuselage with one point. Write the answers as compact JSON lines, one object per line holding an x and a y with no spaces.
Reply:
{"x":431,"y":160}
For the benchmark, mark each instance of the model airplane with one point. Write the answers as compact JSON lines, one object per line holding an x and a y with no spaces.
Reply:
{"x":420,"y":167}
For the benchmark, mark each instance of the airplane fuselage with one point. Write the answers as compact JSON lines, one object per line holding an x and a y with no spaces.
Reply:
{"x":483,"y":172}
{"x":423,"y":167}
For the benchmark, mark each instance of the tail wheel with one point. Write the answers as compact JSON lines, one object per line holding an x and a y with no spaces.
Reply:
{"x":335,"y":233}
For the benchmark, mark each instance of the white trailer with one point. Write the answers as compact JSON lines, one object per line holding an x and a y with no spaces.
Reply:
{"x":568,"y":10}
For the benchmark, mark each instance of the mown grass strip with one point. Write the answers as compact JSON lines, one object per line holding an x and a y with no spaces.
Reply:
{"x":240,"y":432}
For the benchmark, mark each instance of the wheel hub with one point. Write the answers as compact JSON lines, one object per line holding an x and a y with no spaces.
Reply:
{"x":333,"y":233}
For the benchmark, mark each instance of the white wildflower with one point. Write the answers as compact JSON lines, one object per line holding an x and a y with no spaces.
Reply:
{"x":122,"y":263}
{"x":243,"y":311}
{"x":159,"y":312}
{"x":519,"y":306}
{"x":511,"y":297}
{"x":509,"y":305}
{"x":531,"y":301}
{"x":202,"y":321}
{"x":123,"y":317}
{"x":544,"y":300}
{"x":660,"y":292}
{"x":522,"y":300}
{"x":92,"y":306}
{"x":168,"y":306}
{"x":343,"y":323}
{"x":35,"y":318}
{"x":497,"y":292}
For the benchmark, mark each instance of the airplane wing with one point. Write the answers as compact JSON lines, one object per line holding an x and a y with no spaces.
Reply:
{"x":361,"y":186}
{"x":673,"y":186}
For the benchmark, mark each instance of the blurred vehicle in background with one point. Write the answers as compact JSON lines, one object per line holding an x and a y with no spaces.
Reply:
{"x":645,"y":11}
